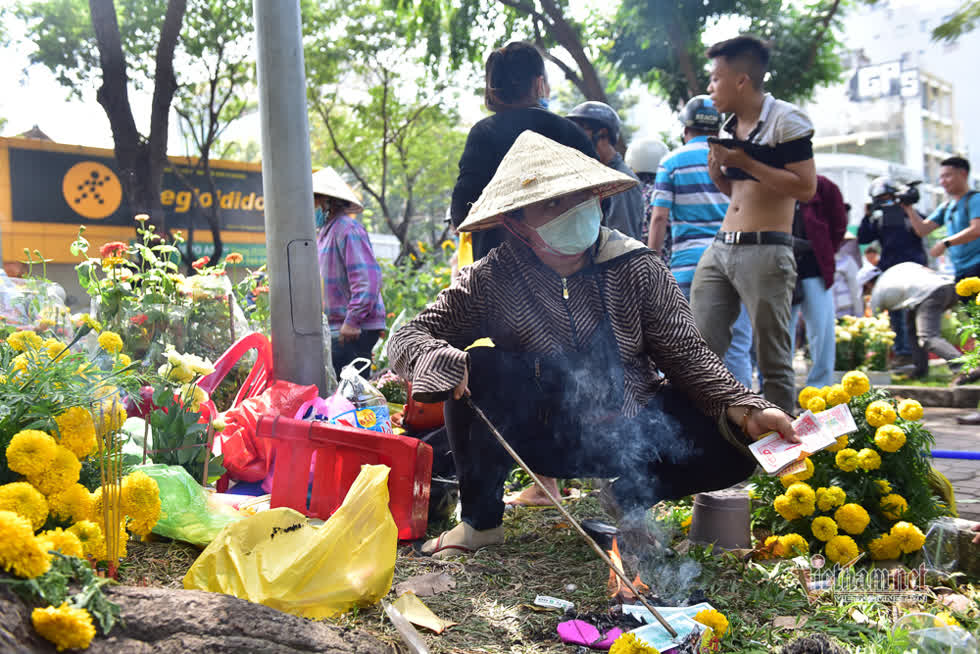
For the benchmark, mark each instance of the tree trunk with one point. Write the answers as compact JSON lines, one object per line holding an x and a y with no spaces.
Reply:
{"x":684,"y":62}
{"x":162,"y":620}
{"x":141,"y":161}
{"x":588,"y":82}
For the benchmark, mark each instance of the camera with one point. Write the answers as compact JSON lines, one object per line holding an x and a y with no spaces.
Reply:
{"x":909,"y":193}
{"x":885,"y":193}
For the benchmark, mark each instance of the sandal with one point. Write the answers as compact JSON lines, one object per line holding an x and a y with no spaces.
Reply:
{"x":468,"y":540}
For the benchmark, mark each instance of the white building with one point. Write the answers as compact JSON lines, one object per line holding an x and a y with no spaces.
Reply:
{"x":901,"y":30}
{"x":904,"y":104}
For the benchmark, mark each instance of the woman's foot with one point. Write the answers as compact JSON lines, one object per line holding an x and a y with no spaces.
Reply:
{"x":462,"y":539}
{"x":533,"y":495}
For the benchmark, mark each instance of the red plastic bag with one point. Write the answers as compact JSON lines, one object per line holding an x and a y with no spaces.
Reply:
{"x":246,"y":456}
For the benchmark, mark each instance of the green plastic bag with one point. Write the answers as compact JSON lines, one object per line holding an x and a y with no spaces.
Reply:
{"x":185,"y":513}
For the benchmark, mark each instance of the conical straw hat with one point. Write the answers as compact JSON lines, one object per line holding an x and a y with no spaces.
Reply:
{"x":535,"y":169}
{"x":326,"y":181}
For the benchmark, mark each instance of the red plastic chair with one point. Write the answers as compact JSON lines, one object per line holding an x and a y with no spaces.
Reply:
{"x":258,"y":380}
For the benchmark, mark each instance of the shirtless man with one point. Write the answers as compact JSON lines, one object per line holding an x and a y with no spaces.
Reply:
{"x":765,"y":169}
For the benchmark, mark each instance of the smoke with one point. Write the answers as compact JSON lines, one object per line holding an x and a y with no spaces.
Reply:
{"x":672,"y":577}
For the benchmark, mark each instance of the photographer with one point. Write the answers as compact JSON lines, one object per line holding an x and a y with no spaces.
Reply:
{"x":960,"y":214}
{"x":888,"y":222}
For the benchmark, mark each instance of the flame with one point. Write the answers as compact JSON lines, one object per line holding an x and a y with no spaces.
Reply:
{"x":615,"y":587}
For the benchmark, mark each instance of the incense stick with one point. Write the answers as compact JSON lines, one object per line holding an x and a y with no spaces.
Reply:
{"x":568,"y":516}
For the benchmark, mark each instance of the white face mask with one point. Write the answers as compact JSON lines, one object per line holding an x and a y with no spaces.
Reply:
{"x":575,"y":230}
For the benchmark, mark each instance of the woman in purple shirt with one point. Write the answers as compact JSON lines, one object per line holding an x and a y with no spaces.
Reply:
{"x":350,"y":273}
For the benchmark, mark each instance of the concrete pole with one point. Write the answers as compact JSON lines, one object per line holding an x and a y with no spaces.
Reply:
{"x":294,"y":277}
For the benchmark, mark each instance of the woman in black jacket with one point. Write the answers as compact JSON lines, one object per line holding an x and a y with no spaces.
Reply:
{"x":517,"y":92}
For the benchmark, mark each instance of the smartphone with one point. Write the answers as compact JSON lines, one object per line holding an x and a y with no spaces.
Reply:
{"x":726,"y":143}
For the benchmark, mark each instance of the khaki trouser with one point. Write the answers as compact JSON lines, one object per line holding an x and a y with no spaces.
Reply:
{"x":762,"y":278}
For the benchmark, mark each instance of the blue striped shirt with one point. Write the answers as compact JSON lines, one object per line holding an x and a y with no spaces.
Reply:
{"x":697,"y":207}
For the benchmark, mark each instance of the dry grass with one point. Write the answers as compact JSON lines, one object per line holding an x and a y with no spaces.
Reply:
{"x":157,"y":563}
{"x":495,"y":589}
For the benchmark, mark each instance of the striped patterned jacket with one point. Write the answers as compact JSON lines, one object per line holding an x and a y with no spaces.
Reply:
{"x":522,"y":305}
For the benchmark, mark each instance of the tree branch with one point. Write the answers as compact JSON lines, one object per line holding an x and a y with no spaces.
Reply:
{"x":818,"y":38}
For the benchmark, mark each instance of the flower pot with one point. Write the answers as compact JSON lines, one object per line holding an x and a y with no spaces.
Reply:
{"x":722,"y":517}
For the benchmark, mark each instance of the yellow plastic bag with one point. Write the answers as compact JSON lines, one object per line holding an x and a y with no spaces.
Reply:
{"x":278,"y":559}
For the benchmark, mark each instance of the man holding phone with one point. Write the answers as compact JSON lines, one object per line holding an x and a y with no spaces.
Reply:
{"x":766,"y":167}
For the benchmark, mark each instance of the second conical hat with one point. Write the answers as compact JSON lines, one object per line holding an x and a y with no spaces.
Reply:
{"x":535,"y":169}
{"x":326,"y":181}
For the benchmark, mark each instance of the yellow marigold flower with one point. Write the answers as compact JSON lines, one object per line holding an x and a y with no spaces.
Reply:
{"x":111,"y":342}
{"x":25,"y":500}
{"x":856,"y":383}
{"x":946,"y":619}
{"x":789,"y":480}
{"x":868,"y":459}
{"x":92,"y":323}
{"x":124,"y":360}
{"x":852,"y":518}
{"x":879,"y":413}
{"x":55,"y":348}
{"x":968,"y":286}
{"x":90,"y":536}
{"x":447,"y":245}
{"x":893,"y":506}
{"x":802,"y":498}
{"x":772,"y":543}
{"x":889,"y":438}
{"x":816,"y":404}
{"x":884,"y":486}
{"x":847,"y":459}
{"x":794,"y":545}
{"x":910,"y":410}
{"x":909,"y":537}
{"x":837,"y":395}
{"x":30,"y":452}
{"x":884,"y":547}
{"x":20,"y":553}
{"x":823,"y":528}
{"x":141,"y":502}
{"x":628,"y":643}
{"x":841,"y":549}
{"x":24,"y":340}
{"x":61,"y":541}
{"x":828,"y":498}
{"x":808,"y":394}
{"x":63,"y":471}
{"x":717,"y":621}
{"x":76,"y":431}
{"x":841,"y":443}
{"x":686,"y":523}
{"x":784,"y":507}
{"x":72,"y":505}
{"x":65,"y":626}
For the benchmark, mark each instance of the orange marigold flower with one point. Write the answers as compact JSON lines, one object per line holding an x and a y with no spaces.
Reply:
{"x":113,"y":249}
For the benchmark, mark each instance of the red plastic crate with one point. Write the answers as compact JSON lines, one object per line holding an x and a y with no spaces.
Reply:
{"x":341,"y":451}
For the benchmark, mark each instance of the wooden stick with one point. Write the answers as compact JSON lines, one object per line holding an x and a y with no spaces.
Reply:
{"x":588,"y":539}
{"x":209,"y":443}
{"x":146,"y":433}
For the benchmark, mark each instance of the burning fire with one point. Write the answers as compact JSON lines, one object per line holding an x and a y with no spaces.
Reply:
{"x":616,"y":588}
